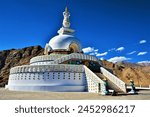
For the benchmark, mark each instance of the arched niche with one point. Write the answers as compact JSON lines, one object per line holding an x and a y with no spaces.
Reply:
{"x":74,"y":48}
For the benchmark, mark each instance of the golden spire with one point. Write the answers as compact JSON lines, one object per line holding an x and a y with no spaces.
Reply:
{"x":66,"y":9}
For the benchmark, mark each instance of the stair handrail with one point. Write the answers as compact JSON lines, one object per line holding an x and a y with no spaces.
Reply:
{"x":114,"y":79}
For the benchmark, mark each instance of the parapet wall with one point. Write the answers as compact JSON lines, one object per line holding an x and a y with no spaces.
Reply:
{"x":46,"y":68}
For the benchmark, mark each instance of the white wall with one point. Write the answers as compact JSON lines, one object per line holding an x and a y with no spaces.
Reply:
{"x":48,"y":78}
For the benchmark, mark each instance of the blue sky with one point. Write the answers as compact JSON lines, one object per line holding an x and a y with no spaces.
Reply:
{"x":115,"y":30}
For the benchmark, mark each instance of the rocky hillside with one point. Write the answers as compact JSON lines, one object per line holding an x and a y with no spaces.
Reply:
{"x":125,"y":71}
{"x":15,"y":57}
{"x":130,"y":71}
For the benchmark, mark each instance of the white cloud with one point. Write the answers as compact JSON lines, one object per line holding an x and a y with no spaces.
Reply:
{"x":96,"y":50}
{"x":120,"y":49}
{"x":92,"y":53}
{"x":112,"y":49}
{"x":144,"y":62}
{"x":88,"y":49}
{"x":118,"y":59}
{"x":142,"y":41}
{"x":102,"y":54}
{"x":142,"y":53}
{"x":102,"y":58}
{"x":116,"y":49}
{"x":131,"y":52}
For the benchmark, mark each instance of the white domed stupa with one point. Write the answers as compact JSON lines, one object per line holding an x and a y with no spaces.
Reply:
{"x":65,"y":41}
{"x":64,"y":68}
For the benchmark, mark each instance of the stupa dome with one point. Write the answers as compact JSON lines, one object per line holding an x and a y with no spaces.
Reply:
{"x":65,"y":42}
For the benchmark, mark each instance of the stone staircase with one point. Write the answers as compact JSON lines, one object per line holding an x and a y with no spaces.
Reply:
{"x":111,"y":85}
{"x":113,"y":82}
{"x":94,"y":83}
{"x":96,"y":79}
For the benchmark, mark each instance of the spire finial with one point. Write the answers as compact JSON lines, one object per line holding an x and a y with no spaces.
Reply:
{"x":66,"y":23}
{"x":66,"y":9}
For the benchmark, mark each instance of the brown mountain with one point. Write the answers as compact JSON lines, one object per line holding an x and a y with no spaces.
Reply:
{"x":125,"y":71}
{"x":130,"y":71}
{"x":146,"y":63}
{"x":15,"y":57}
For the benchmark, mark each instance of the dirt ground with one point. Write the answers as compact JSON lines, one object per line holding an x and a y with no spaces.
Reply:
{"x":17,"y":95}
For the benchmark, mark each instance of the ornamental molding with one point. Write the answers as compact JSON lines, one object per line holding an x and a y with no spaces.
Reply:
{"x":47,"y":68}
